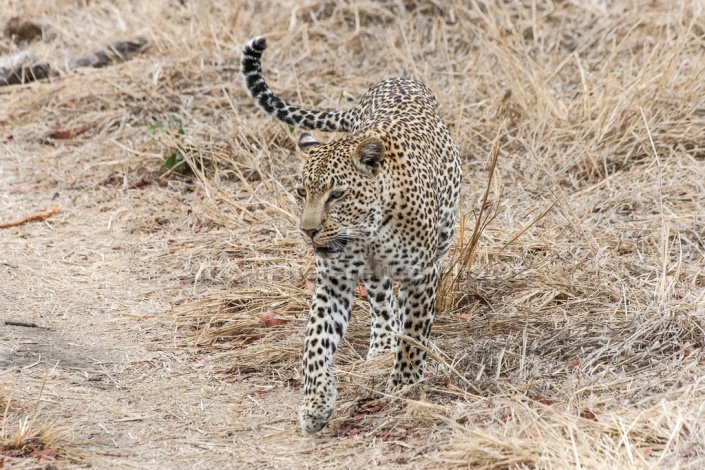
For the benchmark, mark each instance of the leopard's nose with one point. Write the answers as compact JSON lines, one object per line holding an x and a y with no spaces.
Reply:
{"x":311,"y":232}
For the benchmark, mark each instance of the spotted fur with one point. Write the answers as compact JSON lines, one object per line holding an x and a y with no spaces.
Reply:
{"x":378,"y":204}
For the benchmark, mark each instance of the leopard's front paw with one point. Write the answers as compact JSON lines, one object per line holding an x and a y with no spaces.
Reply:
{"x":402,"y":382}
{"x":314,"y":413}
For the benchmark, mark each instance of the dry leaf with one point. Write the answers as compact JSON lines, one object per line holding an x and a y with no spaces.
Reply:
{"x":369,"y":411}
{"x":270,"y":320}
{"x":348,"y":431}
{"x":542,"y":399}
{"x":60,"y":134}
{"x":39,"y":454}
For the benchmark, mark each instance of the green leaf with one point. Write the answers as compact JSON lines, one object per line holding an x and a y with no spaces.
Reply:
{"x":157,"y":127}
{"x":176,"y":162}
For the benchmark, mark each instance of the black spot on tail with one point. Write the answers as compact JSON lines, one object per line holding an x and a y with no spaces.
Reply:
{"x":264,"y":97}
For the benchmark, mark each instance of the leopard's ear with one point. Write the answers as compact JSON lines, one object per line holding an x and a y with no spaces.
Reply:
{"x":369,"y":154}
{"x":306,"y":143}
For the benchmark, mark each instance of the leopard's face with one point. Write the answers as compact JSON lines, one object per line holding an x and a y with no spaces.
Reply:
{"x":338,"y":191}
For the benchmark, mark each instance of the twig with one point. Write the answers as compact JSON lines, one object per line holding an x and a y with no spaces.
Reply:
{"x":21,"y":323}
{"x":36,"y":363}
{"x":40,"y":216}
{"x":437,"y":357}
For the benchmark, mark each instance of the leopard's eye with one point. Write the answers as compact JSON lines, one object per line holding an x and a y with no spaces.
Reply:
{"x":337,"y":194}
{"x":301,"y":192}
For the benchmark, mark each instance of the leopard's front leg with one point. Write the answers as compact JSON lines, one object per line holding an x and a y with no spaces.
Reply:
{"x":328,"y":320}
{"x":383,"y":311}
{"x":417,"y":303}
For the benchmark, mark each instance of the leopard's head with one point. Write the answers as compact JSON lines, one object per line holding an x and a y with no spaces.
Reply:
{"x":338,"y":190}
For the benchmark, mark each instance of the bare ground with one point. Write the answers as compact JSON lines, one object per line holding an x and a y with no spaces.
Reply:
{"x":163,"y":313}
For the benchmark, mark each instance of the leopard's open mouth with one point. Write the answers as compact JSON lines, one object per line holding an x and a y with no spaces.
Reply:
{"x":334,"y":247}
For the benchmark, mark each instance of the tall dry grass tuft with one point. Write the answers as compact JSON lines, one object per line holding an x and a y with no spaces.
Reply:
{"x":456,"y":280}
{"x":25,"y":437}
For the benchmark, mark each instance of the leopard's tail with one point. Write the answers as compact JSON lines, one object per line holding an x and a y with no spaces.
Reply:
{"x":251,"y":69}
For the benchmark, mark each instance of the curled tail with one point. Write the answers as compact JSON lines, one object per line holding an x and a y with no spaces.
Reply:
{"x":251,"y":69}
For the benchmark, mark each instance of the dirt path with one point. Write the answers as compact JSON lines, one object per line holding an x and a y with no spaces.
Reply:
{"x":91,"y":280}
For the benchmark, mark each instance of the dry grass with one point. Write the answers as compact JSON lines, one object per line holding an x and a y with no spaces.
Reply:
{"x":27,"y":441}
{"x":571,"y":330}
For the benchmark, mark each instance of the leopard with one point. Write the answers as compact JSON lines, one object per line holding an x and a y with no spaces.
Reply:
{"x":378,"y":203}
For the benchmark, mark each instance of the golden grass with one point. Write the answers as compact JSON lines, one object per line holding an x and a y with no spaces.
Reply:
{"x":27,"y":440}
{"x":571,"y":328}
